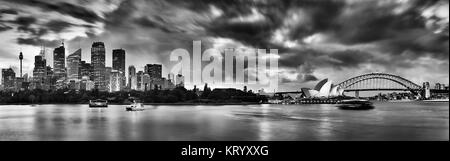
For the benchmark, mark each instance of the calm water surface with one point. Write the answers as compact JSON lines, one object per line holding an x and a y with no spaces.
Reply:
{"x":389,"y":121}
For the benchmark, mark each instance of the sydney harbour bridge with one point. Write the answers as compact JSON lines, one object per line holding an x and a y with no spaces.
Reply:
{"x":379,"y":82}
{"x":375,"y":82}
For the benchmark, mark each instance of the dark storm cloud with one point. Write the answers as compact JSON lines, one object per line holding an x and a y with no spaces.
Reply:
{"x":8,"y":11}
{"x":63,"y":8}
{"x":349,"y":58}
{"x":4,"y":28}
{"x":417,"y":43}
{"x":24,"y":25}
{"x":35,"y":41}
{"x":335,"y":59}
{"x":58,"y":25}
{"x":146,"y":22}
{"x":365,"y":22}
{"x":25,"y":21}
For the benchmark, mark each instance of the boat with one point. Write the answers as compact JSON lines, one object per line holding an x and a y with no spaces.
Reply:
{"x":135,"y":107}
{"x":355,"y":104}
{"x":98,"y":103}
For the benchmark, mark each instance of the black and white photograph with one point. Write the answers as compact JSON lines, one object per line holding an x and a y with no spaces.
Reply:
{"x":224,"y":70}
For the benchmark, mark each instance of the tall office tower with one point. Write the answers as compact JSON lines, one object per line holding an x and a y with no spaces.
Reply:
{"x":8,"y":79}
{"x":119,"y":65}
{"x":154,"y":70}
{"x":50,"y":80}
{"x":98,"y":63}
{"x":39,"y":71}
{"x":21,"y":58}
{"x":59,"y":63}
{"x":132,"y":78}
{"x":139,"y":76}
{"x":74,"y":65}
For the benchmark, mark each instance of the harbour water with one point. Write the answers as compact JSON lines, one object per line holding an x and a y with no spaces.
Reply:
{"x":388,"y":121}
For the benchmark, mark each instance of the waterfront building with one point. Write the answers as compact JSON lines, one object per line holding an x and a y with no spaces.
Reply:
{"x":74,"y":65}
{"x":154,"y":70}
{"x":171,"y":77}
{"x":426,"y":90}
{"x":179,"y":80}
{"x":139,"y":79}
{"x":8,"y":79}
{"x":86,"y":84}
{"x":161,"y":84}
{"x":20,"y":84}
{"x":59,"y":63}
{"x":119,"y":65}
{"x":98,"y":63}
{"x":115,"y":81}
{"x":437,"y":86}
{"x":324,"y":89}
{"x":86,"y":70}
{"x":146,"y":82}
{"x":108,"y":72}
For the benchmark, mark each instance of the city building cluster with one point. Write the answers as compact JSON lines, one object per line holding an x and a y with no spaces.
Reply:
{"x":73,"y":73}
{"x":440,"y":90}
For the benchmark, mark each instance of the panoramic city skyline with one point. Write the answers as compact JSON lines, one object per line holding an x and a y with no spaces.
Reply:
{"x":315,"y":40}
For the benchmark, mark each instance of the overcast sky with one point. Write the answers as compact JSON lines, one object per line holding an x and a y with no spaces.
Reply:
{"x":317,"y":39}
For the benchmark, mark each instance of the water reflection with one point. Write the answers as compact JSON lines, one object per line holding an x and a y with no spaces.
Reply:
{"x":237,"y":123}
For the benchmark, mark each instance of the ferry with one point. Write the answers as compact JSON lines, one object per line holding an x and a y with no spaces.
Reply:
{"x":135,"y":107}
{"x":99,"y":103}
{"x":355,"y":104}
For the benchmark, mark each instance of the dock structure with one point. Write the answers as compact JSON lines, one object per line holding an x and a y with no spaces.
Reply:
{"x":318,"y":101}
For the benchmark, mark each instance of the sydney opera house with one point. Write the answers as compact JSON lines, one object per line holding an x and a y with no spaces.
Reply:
{"x":324,"y":89}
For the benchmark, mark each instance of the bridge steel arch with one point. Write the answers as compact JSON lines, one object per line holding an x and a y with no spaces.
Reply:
{"x":409,"y":85}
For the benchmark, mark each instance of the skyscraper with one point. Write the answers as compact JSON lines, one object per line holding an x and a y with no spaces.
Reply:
{"x":132,"y":78}
{"x":154,"y":70}
{"x":39,"y":72}
{"x":74,"y":65}
{"x":98,"y":64}
{"x":8,"y":79}
{"x":119,"y":65}
{"x":59,"y":62}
